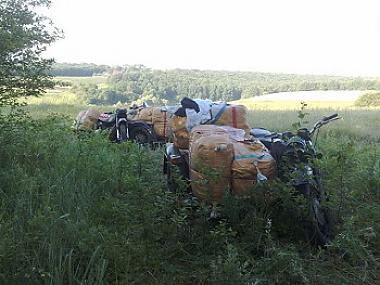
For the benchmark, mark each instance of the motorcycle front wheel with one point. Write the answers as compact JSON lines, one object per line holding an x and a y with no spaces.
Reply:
{"x":321,"y":229}
{"x":122,"y":132}
{"x":319,"y":223}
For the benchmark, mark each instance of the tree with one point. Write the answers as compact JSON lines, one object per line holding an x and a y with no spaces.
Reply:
{"x":370,"y":99}
{"x":24,"y":36}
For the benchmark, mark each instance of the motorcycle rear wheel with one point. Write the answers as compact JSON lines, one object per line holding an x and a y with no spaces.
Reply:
{"x":141,"y":135}
{"x":171,"y":180}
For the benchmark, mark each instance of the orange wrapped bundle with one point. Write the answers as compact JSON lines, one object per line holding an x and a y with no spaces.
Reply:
{"x":179,"y":132}
{"x":234,"y":116}
{"x":223,"y":115}
{"x":86,"y":120}
{"x":211,"y":154}
{"x":249,"y":160}
{"x":160,"y":122}
{"x":157,"y":116}
{"x":208,"y":188}
{"x":143,"y":114}
{"x":206,"y":130}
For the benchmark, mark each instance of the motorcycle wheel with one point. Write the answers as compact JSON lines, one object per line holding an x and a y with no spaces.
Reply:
{"x":141,"y":135}
{"x":320,"y":224}
{"x":170,"y":179}
{"x":113,"y":135}
{"x":122,"y":132}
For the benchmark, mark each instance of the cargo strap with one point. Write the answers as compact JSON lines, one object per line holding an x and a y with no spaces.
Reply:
{"x":219,"y":114}
{"x":252,"y":155}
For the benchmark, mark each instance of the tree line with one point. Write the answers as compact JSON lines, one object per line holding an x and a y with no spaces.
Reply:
{"x":133,"y":83}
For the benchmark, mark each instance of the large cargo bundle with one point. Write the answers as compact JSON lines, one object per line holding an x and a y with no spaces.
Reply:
{"x":160,"y":121}
{"x":158,"y":116}
{"x":142,"y":114}
{"x":211,"y":156}
{"x":178,"y":132}
{"x":86,"y":119}
{"x":220,"y":164}
{"x":234,"y":116}
{"x":221,"y":114}
{"x":206,"y":130}
{"x":250,"y":159}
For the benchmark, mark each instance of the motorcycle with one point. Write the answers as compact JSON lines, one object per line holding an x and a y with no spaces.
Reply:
{"x":122,"y":128}
{"x":294,"y":154}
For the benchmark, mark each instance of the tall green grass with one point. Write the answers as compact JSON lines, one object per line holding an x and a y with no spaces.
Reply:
{"x":355,"y":124}
{"x":77,"y":209}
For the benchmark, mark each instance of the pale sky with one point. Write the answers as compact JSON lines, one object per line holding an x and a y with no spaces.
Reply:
{"x":333,"y":37}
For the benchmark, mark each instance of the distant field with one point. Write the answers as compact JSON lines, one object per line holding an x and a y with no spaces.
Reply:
{"x":269,"y":111}
{"x":292,"y":100}
{"x":83,"y":80}
{"x":311,"y":96}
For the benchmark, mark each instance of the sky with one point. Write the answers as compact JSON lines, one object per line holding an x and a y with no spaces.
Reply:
{"x":326,"y":37}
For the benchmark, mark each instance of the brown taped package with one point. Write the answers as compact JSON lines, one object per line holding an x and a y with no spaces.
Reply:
{"x":212,"y":153}
{"x":179,"y":133}
{"x":249,"y":159}
{"x":206,"y":130}
{"x":232,"y":116}
{"x":156,"y":116}
{"x":160,"y":122}
{"x":207,"y":188}
{"x":86,"y":119}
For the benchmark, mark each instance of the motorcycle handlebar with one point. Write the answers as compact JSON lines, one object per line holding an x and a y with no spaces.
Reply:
{"x":330,"y":117}
{"x":323,"y":121}
{"x":303,"y":132}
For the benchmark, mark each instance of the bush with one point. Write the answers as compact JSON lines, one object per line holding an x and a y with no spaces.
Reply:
{"x":371,"y":99}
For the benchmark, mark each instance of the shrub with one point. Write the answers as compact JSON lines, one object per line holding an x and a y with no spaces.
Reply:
{"x":371,"y":99}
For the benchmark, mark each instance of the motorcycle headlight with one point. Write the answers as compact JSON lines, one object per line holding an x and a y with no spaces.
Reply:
{"x":296,"y":144}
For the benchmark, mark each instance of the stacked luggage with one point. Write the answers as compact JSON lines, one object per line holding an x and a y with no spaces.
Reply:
{"x":224,"y":159}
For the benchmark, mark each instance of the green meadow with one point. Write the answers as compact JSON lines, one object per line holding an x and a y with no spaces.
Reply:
{"x":77,"y":209}
{"x":277,"y":115}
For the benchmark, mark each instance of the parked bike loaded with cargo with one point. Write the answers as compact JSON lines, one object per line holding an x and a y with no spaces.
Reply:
{"x":122,"y":128}
{"x":267,"y":156}
{"x":118,"y":123}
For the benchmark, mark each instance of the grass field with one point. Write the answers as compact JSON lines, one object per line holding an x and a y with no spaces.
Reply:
{"x":82,"y":210}
{"x":269,"y":113}
{"x":84,"y":80}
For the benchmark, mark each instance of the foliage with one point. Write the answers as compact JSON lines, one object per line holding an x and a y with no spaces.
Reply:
{"x":24,"y":37}
{"x":160,"y":87}
{"x":371,"y":99}
{"x":78,"y":69}
{"x":77,"y":209}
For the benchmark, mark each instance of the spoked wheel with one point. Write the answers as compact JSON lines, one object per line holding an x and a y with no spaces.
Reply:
{"x":177,"y":176}
{"x":142,"y":135}
{"x":321,"y":230}
{"x":122,"y":136}
{"x":321,"y":226}
{"x":113,"y":135}
{"x":170,"y":178}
